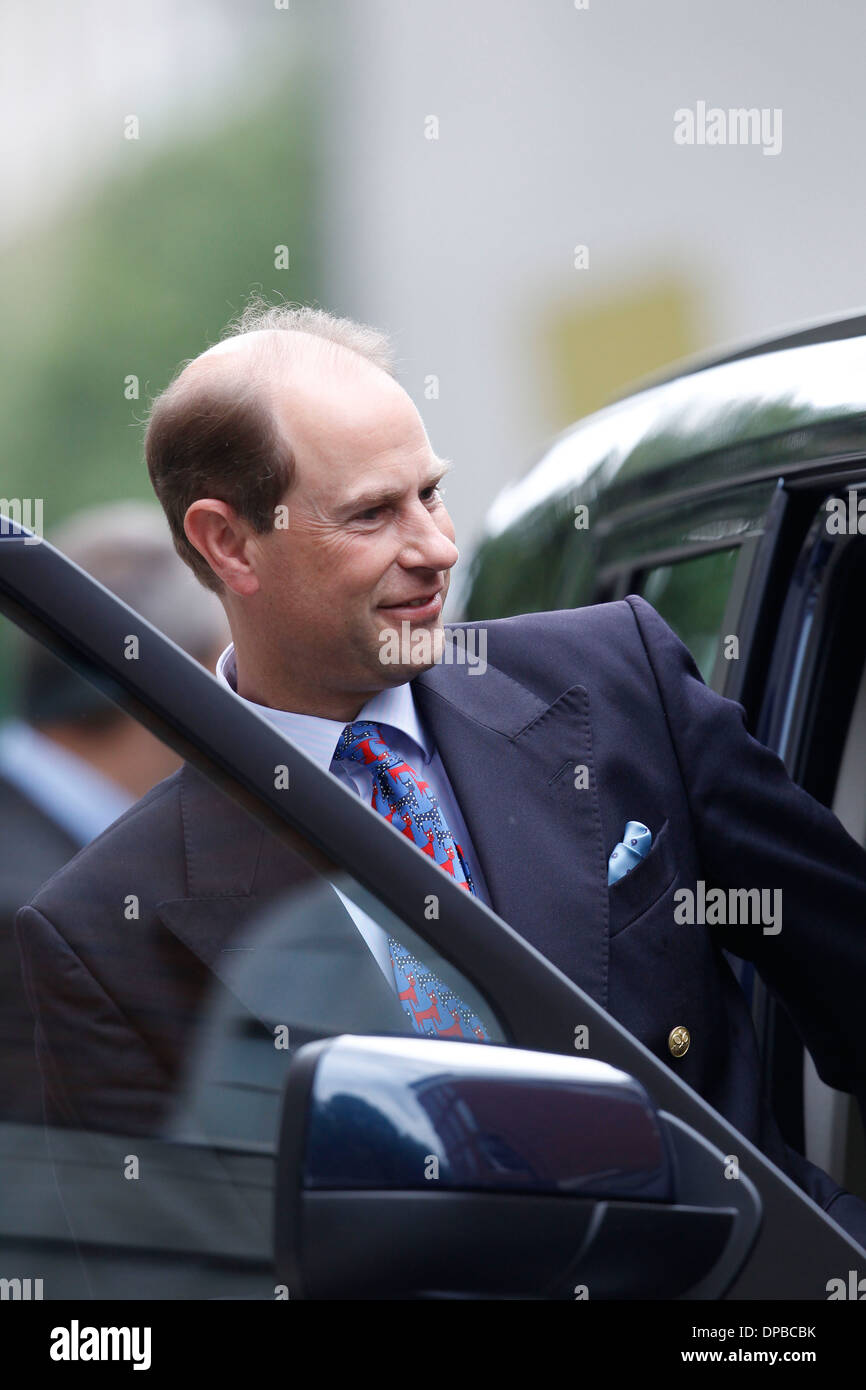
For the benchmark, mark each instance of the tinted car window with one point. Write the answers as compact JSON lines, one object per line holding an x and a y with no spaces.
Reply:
{"x":154,"y":1174}
{"x":691,"y":596}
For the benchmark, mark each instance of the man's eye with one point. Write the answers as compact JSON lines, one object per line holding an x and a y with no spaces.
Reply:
{"x":434,"y":493}
{"x":370,"y":514}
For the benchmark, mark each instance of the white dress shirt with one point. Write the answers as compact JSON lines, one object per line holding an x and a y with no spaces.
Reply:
{"x":394,"y":711}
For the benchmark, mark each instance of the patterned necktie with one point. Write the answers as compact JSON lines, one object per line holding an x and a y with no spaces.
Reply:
{"x":405,"y":800}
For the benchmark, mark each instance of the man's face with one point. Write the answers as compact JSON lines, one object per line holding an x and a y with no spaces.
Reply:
{"x":368,"y":547}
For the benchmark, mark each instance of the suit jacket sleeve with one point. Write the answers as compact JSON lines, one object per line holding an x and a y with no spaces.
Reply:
{"x":754,"y":827}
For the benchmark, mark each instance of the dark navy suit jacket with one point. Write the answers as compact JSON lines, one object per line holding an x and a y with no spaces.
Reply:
{"x":609,"y":688}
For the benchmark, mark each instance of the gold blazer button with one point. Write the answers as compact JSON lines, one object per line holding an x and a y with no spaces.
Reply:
{"x":678,"y":1041}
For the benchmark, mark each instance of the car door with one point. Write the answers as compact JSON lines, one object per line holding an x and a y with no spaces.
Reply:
{"x":812,"y":714}
{"x":215,"y":1159}
{"x":772,"y":623}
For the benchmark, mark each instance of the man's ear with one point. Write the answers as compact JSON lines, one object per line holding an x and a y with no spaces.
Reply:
{"x":224,"y":540}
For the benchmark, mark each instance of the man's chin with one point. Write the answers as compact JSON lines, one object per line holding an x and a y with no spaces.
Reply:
{"x":406,"y":649}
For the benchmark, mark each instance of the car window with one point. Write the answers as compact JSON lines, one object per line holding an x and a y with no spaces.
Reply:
{"x":691,"y":596}
{"x":318,"y":959}
{"x":174,"y":962}
{"x":298,"y":952}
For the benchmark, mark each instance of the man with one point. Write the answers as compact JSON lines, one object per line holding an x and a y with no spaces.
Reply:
{"x":71,"y":763}
{"x":300,"y":485}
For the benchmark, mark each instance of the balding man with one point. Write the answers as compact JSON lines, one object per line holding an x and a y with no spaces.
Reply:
{"x":300,"y":485}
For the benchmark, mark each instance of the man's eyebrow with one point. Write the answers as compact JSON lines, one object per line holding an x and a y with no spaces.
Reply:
{"x":382,"y":497}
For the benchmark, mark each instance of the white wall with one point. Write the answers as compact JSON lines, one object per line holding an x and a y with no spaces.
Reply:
{"x":556,"y":127}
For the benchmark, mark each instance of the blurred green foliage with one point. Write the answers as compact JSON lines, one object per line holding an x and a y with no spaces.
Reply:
{"x":143,"y":275}
{"x":140,"y":275}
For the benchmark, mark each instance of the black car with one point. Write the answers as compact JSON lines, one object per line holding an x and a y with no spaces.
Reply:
{"x":732,"y":497}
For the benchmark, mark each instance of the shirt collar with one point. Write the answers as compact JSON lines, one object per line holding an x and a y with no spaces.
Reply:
{"x":318,"y":737}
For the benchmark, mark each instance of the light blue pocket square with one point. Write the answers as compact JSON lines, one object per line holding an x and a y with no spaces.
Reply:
{"x":631,"y":849}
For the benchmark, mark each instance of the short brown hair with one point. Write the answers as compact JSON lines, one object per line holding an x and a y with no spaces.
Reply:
{"x":218,"y":436}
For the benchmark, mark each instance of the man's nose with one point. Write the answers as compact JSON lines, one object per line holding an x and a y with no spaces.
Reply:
{"x":426,"y":545}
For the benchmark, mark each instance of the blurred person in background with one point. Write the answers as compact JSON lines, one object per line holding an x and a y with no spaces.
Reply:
{"x":71,"y":762}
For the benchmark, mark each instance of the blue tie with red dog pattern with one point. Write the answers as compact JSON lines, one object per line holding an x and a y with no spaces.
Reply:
{"x":406,"y":800}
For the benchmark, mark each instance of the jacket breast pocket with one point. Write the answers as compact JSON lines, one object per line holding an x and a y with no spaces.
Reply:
{"x":630,"y":897}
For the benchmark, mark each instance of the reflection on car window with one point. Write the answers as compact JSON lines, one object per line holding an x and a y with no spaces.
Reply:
{"x":174,"y":965}
{"x":691,"y":596}
{"x":322,"y":958}
{"x":187,"y":915}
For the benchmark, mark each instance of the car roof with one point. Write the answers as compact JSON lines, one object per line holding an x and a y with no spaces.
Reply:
{"x":796,"y":384}
{"x":825,"y":330}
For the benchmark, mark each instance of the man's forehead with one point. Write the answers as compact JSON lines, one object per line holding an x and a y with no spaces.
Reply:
{"x":327,"y":403}
{"x":293,"y":367}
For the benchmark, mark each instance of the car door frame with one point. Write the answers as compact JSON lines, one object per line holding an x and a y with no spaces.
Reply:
{"x":757,"y":611}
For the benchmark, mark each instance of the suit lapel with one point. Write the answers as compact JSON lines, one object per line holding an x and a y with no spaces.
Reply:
{"x":222,"y":848}
{"x":512,"y":760}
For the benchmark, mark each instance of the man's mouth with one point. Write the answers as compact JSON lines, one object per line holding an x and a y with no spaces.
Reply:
{"x":427,"y":605}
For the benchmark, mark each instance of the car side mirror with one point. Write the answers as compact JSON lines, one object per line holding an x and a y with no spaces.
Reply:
{"x":424,"y":1168}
